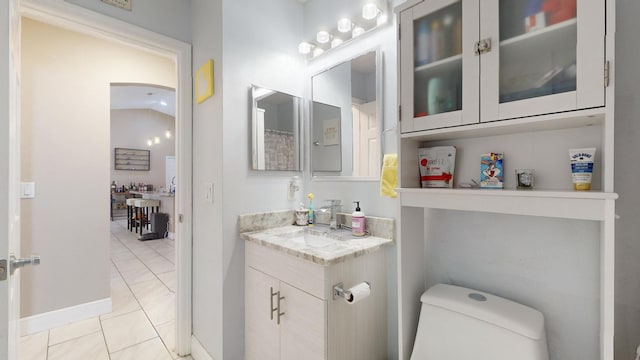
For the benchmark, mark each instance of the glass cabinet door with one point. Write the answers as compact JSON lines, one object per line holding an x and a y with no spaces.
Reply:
{"x":434,"y":65}
{"x":541,"y":54}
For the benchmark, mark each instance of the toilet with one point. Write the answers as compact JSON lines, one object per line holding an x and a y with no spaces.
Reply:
{"x":459,"y":323}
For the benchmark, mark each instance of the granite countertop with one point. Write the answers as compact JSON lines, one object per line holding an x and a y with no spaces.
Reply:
{"x":310,"y":244}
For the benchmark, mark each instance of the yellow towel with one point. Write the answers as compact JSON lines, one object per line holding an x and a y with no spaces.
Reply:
{"x":389,"y":176}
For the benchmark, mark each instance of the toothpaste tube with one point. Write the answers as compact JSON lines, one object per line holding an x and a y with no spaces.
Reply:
{"x":582,"y":167}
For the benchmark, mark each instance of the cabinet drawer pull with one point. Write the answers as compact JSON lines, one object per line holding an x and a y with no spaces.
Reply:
{"x":276,"y":308}
{"x":279,"y":313}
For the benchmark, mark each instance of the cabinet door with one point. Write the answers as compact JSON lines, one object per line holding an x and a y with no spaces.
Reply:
{"x":303,"y":330}
{"x":261,"y":331}
{"x":546,"y":56}
{"x":439,"y":72}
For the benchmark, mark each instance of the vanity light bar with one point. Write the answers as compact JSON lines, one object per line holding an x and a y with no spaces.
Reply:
{"x":325,"y":40}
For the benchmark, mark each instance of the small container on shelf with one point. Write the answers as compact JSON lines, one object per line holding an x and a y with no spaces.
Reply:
{"x":524,"y":179}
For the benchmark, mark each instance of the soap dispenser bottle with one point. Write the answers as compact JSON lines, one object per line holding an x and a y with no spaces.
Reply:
{"x":357,"y":221}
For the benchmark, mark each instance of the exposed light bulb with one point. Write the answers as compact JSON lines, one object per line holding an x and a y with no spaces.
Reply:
{"x":317,"y":51}
{"x":357,"y":31}
{"x":344,"y":25}
{"x":304,"y":47}
{"x":156,"y":140}
{"x":323,"y":37}
{"x":370,"y":11}
{"x":382,"y":19}
{"x":167,"y":134}
{"x":335,"y":42}
{"x":149,"y":142}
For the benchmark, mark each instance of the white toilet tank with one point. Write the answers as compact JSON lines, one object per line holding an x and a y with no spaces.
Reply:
{"x":458,"y":323}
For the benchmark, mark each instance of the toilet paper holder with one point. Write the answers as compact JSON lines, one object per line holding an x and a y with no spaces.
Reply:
{"x":340,"y":292}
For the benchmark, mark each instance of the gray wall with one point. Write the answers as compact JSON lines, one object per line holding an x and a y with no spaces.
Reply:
{"x":208,"y":273}
{"x":266,"y":53}
{"x":166,"y":17}
{"x":367,"y":192}
{"x":552,"y":265}
{"x":263,"y":53}
{"x":627,"y":173}
{"x":130,"y":129}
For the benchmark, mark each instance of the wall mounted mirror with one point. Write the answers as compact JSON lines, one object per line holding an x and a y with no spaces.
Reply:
{"x":346,"y":118}
{"x":275,"y":130}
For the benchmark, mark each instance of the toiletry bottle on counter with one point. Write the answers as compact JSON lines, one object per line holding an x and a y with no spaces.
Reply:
{"x":357,"y":221}
{"x":310,"y":197}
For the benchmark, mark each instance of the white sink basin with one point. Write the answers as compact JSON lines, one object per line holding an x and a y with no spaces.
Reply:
{"x":313,"y":240}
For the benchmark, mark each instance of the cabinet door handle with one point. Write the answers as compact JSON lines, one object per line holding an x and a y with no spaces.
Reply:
{"x":279,"y":313}
{"x":271,"y":297}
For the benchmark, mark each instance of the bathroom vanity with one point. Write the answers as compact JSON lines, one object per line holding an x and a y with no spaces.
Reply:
{"x":290,"y":275}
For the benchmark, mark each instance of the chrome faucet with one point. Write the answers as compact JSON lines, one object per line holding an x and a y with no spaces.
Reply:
{"x":335,"y":206}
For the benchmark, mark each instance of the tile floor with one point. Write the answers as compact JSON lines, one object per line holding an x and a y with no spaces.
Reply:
{"x":141,"y":325}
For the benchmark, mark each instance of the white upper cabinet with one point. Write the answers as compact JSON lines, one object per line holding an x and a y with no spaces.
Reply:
{"x":470,"y":61}
{"x":438,"y":70}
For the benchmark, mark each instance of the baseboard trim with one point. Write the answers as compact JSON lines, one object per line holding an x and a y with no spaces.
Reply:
{"x":197,"y":350}
{"x":45,"y":321}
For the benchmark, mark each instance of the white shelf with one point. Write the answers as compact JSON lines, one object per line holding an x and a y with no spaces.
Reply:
{"x":567,"y":120}
{"x":556,"y":31}
{"x":580,"y":205}
{"x":441,"y":64}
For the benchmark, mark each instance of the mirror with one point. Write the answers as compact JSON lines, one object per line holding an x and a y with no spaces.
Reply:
{"x":346,"y":119}
{"x":275,"y":130}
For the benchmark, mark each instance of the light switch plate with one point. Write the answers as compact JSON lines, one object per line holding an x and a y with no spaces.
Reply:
{"x":208,"y":196}
{"x":123,"y":4}
{"x":27,"y":190}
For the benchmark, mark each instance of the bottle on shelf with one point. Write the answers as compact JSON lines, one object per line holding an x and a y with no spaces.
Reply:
{"x":435,"y":41}
{"x":422,"y":43}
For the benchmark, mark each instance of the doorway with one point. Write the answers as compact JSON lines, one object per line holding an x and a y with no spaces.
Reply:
{"x":78,"y":20}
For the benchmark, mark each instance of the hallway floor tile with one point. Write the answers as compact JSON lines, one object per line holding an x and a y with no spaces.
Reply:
{"x":141,"y":325}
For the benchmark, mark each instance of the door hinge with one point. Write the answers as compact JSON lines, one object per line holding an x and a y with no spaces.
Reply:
{"x":399,"y":112}
{"x":180,"y":218}
{"x":398,"y":32}
{"x":606,"y":73}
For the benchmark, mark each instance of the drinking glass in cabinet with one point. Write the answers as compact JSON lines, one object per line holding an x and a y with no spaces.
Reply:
{"x":538,"y":48}
{"x":438,"y":61}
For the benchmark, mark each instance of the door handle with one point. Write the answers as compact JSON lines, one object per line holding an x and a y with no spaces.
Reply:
{"x":15,"y":263}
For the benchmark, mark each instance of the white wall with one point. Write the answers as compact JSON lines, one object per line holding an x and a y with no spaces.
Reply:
{"x":167,"y":17}
{"x":130,"y":129}
{"x":66,"y":152}
{"x":627,"y":173}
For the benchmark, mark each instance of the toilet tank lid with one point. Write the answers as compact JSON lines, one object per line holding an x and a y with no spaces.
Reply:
{"x":495,"y":310}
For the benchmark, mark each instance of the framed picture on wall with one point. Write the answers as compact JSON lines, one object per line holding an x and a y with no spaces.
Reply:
{"x":132,"y":159}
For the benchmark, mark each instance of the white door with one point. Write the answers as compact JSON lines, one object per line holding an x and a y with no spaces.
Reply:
{"x":10,"y":181}
{"x":366,"y":140}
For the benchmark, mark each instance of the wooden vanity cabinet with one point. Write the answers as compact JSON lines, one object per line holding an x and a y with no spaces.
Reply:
{"x":312,"y":325}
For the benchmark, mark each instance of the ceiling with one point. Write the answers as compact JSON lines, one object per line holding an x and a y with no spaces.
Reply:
{"x":134,"y":96}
